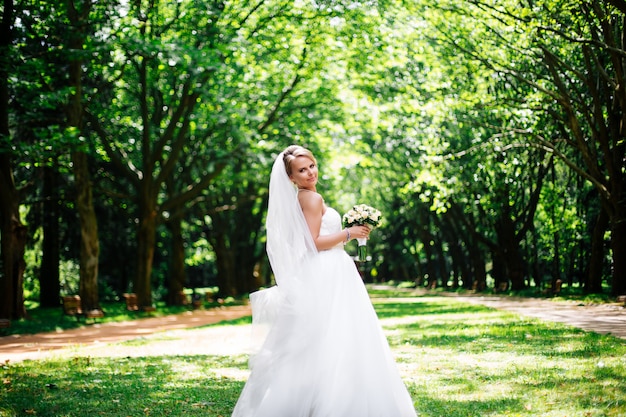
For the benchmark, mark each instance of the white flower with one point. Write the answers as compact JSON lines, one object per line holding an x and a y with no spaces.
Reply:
{"x":362,"y":214}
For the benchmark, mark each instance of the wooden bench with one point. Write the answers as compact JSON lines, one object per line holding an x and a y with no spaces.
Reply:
{"x":72,"y":307}
{"x":131,"y":301}
{"x":621,"y":299}
{"x":182,"y":299}
{"x":132,"y":305}
{"x":4,"y":324}
{"x":94,"y":314}
{"x":196,"y":301}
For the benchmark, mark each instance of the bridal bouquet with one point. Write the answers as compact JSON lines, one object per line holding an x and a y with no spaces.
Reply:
{"x":362,"y":215}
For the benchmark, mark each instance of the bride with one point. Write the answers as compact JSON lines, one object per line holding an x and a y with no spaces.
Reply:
{"x":324,"y":354}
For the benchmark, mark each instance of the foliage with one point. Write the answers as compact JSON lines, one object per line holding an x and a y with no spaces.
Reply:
{"x":491,"y":112}
{"x":470,"y":125}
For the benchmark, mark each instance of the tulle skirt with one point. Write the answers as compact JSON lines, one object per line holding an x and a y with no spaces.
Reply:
{"x":324,"y":354}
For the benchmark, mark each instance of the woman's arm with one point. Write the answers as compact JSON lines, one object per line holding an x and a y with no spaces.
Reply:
{"x":313,"y":209}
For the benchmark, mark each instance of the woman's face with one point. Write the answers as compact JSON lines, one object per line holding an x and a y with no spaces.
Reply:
{"x":304,"y":172}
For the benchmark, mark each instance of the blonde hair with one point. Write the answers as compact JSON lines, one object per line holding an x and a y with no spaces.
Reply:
{"x":294,"y":151}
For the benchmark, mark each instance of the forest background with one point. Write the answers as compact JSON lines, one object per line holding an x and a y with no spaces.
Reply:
{"x":137,"y":138}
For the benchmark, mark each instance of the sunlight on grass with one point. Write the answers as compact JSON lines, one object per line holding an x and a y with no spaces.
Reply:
{"x":462,"y":360}
{"x":458,"y":360}
{"x":238,"y":371}
{"x":121,"y":387}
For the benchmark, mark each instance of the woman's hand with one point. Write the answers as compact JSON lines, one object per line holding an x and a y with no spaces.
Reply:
{"x":359,"y":232}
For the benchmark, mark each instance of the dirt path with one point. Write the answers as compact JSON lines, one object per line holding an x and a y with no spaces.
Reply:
{"x":20,"y":347}
{"x":98,"y":338}
{"x":599,"y":318}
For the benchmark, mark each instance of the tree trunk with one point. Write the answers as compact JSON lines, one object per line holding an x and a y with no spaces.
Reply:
{"x":18,"y":242}
{"x":556,"y":260}
{"x":235,"y":268}
{"x":458,"y":240}
{"x":427,"y":239}
{"x":460,"y":266}
{"x":618,"y":246}
{"x":146,"y":240}
{"x":246,"y":280}
{"x":498,"y":270}
{"x":533,"y":260}
{"x":440,"y":261}
{"x":13,"y":242}
{"x":49,"y":285}
{"x":226,"y":265}
{"x":510,"y":254}
{"x":473,"y":269}
{"x":178,"y":276}
{"x":234,"y":237}
{"x":596,"y":257}
{"x":12,"y":230}
{"x":89,"y":244}
{"x":479,"y":268}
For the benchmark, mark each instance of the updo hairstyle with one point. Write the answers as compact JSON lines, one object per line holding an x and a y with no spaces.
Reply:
{"x":294,"y":151}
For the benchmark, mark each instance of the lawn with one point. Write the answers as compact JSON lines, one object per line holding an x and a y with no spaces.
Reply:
{"x":458,"y":360}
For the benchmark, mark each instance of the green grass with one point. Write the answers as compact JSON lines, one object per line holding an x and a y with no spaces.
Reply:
{"x":463,"y":360}
{"x":457,"y":359}
{"x":154,"y":386}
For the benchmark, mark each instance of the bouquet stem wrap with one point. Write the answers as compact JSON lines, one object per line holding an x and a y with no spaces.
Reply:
{"x":361,"y":252}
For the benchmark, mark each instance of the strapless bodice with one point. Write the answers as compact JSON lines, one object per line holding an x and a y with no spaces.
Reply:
{"x":331,"y":223}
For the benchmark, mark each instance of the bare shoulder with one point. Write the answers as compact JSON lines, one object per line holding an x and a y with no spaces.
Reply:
{"x":311,"y":201}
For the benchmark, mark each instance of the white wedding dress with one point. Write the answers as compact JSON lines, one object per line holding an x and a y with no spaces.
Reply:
{"x":325,"y":354}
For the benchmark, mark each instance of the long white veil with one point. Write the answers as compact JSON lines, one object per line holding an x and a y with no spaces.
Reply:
{"x":289,"y":245}
{"x":289,"y":239}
